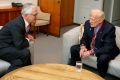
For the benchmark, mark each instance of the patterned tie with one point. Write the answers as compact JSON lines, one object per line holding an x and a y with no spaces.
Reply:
{"x":96,"y":29}
{"x":93,"y":39}
{"x":27,"y":28}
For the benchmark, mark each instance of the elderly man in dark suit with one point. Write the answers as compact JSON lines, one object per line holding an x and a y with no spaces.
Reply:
{"x":14,"y":39}
{"x":99,"y":40}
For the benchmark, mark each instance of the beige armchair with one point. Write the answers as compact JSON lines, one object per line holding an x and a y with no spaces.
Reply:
{"x":42,"y":19}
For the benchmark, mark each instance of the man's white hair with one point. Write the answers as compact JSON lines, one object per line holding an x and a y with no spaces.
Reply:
{"x":27,"y":8}
{"x":99,"y":13}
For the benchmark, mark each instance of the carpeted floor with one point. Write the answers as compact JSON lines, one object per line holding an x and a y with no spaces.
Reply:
{"x":48,"y":49}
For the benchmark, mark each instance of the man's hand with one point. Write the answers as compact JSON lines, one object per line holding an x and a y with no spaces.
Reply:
{"x":30,"y":37}
{"x":86,"y":54}
{"x":82,"y":50}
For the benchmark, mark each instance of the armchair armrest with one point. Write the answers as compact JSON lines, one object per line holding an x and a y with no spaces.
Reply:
{"x":70,"y":38}
{"x":1,"y":27}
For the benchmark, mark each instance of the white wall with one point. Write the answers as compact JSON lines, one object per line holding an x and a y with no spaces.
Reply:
{"x":8,"y":2}
{"x":110,"y":7}
{"x":83,"y":7}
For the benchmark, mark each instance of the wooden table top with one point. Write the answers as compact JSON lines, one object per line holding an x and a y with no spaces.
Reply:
{"x":50,"y":72}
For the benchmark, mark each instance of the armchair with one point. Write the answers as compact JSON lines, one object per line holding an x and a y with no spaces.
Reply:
{"x":42,"y":19}
{"x":71,"y":38}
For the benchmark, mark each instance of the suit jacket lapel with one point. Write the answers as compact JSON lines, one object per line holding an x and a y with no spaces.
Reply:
{"x":23,"y":24}
{"x":100,"y":32}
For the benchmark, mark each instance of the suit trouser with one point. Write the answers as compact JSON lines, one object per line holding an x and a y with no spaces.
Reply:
{"x":102,"y":60}
{"x":74,"y":55}
{"x":17,"y":58}
{"x":103,"y":63}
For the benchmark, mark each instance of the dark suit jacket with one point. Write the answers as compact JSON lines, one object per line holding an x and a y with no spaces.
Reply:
{"x":105,"y":40}
{"x":13,"y":34}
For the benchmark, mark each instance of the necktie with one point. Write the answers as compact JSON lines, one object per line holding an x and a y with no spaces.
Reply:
{"x":27,"y":28}
{"x":93,"y":40}
{"x":92,"y":45}
{"x":94,"y":36}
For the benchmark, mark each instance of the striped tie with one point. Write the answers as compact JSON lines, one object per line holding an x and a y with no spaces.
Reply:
{"x":93,"y":40}
{"x":27,"y":28}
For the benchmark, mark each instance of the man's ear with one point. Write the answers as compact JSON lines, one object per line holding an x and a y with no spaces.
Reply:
{"x":101,"y":20}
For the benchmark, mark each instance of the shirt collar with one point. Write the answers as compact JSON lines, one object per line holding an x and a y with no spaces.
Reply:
{"x":98,"y":27}
{"x":26,"y":23}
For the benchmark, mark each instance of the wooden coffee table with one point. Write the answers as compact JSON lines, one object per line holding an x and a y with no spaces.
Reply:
{"x":50,"y":72}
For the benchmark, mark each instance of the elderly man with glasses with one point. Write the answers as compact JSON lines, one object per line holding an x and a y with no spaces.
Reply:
{"x":14,"y":38}
{"x":99,"y":40}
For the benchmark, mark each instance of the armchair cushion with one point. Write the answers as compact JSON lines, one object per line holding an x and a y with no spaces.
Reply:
{"x":70,"y":38}
{"x":1,"y":27}
{"x":3,"y":65}
{"x":118,"y":36}
{"x":42,"y":15}
{"x":41,"y":22}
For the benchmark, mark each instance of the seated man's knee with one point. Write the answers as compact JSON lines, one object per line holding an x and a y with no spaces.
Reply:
{"x":74,"y":48}
{"x":104,"y":58}
{"x":25,"y":53}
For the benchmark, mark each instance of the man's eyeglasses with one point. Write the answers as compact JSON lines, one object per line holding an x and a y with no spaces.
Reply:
{"x":34,"y":14}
